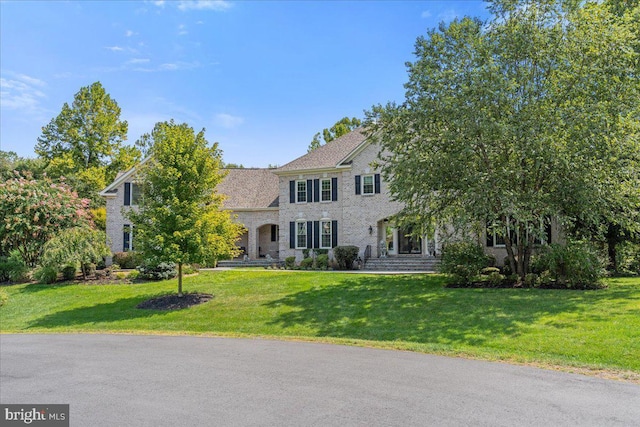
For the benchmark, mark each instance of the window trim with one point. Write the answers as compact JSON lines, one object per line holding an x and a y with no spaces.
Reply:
{"x":373,"y":185}
{"x":299,"y":192}
{"x":322,"y":190}
{"x":127,"y":229}
{"x":298,"y":234}
{"x":323,"y":234}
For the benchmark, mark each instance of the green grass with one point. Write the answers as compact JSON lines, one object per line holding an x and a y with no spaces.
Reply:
{"x":591,"y":329}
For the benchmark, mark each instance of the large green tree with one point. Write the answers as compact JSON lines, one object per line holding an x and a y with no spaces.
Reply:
{"x":84,"y":143}
{"x":180,"y":217}
{"x":339,"y":128}
{"x":531,"y":115}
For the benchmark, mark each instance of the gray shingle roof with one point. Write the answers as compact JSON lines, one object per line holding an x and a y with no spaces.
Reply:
{"x":328,"y":155}
{"x":249,"y":189}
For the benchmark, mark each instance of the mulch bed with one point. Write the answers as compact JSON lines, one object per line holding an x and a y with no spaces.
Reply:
{"x":174,"y":302}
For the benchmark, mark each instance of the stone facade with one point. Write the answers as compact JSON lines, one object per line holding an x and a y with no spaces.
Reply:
{"x":357,"y":210}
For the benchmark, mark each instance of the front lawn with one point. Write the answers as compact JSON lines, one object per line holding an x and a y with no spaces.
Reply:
{"x":587,"y":329}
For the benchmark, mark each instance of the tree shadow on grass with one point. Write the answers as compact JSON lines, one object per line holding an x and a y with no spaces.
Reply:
{"x":419,"y":309}
{"x":116,"y":311}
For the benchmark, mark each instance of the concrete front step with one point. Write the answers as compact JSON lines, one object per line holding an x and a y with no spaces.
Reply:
{"x":402,"y":264}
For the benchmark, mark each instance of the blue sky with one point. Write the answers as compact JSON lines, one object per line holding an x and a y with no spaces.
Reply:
{"x":261,"y":77}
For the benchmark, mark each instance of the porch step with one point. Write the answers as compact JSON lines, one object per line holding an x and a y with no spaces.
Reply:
{"x":410,"y":263}
{"x":250,"y":263}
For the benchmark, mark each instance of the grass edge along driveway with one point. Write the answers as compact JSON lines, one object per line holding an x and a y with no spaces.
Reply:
{"x":593,"y":332}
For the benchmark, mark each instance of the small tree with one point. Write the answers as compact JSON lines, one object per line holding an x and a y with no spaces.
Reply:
{"x":78,"y":246}
{"x":180,"y":218}
{"x":32,"y":212}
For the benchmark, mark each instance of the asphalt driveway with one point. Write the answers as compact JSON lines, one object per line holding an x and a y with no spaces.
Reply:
{"x":122,"y":380}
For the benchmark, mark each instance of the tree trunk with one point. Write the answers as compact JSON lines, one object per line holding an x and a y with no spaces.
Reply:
{"x":180,"y":294}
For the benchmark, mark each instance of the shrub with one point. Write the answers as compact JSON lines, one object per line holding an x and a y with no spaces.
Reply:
{"x":161,"y":271}
{"x":69,"y":272}
{"x":495,"y":278}
{"x":306,"y":263}
{"x":530,"y":280}
{"x":322,"y":261}
{"x":46,"y":275}
{"x":127,"y":260}
{"x":575,"y":265}
{"x":464,"y":261}
{"x":628,"y":257}
{"x":345,"y":256}
{"x":133,"y":275}
{"x":489,"y":270}
{"x":13,"y":268}
{"x":121,"y":275}
{"x":290,"y":262}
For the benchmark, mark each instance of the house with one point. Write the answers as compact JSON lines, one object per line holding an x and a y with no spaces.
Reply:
{"x":328,"y":197}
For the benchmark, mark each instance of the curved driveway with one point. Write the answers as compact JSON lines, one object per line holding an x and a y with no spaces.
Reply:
{"x":121,"y":380}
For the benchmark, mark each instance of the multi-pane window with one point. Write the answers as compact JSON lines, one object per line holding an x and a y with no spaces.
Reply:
{"x":301,"y":191}
{"x":301,"y":235}
{"x":127,"y":238}
{"x":325,"y":190}
{"x":325,"y":232}
{"x":135,"y":194}
{"x":367,"y":184}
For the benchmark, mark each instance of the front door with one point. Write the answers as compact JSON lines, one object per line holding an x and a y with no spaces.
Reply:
{"x":408,"y":243}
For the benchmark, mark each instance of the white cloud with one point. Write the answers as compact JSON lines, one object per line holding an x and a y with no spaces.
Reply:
{"x":448,"y":15}
{"x":425,"y":14}
{"x":182,"y":30}
{"x":129,"y":33}
{"x":227,"y":120}
{"x":217,"y":5}
{"x":114,"y":48}
{"x":20,"y":92}
{"x":138,"y":61}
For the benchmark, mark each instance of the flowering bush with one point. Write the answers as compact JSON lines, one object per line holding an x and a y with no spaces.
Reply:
{"x":32,"y":211}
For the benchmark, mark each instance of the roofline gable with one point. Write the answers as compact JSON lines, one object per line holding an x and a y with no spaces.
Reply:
{"x":122,"y":178}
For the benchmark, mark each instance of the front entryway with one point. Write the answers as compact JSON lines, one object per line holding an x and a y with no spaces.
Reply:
{"x":408,"y":243}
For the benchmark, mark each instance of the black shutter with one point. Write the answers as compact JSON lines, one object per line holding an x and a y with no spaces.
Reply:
{"x":292,"y":191}
{"x":309,"y":190}
{"x":489,"y":233}
{"x":292,"y":235}
{"x":274,"y":233}
{"x":126,"y":236}
{"x":316,"y":234}
{"x":357,"y":184}
{"x":376,"y":179}
{"x":334,"y":189}
{"x":309,"y":234}
{"x":127,"y":194}
{"x":334,"y":234}
{"x":316,"y":190}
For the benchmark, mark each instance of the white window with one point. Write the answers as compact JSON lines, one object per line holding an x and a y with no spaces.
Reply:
{"x":135,"y":194}
{"x":301,"y":235}
{"x":325,"y":190}
{"x":367,"y":184}
{"x":325,"y":234}
{"x":301,"y":191}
